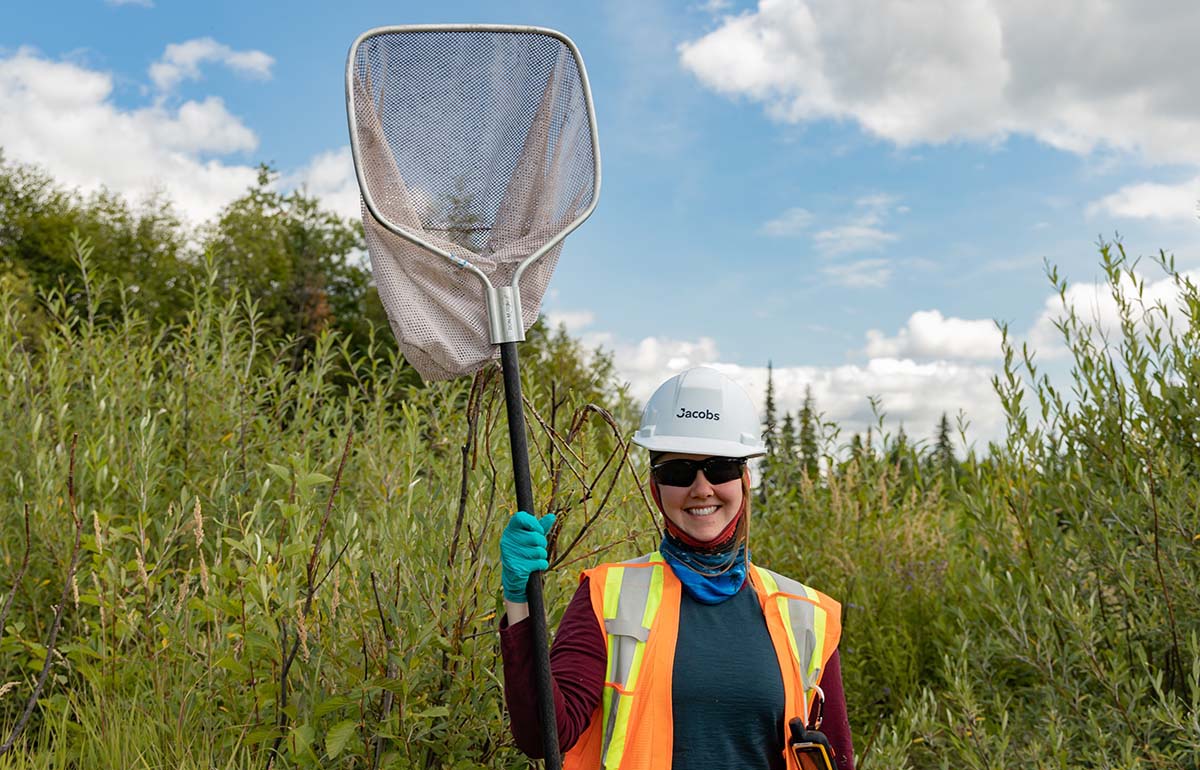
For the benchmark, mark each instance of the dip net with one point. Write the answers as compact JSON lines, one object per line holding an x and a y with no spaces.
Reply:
{"x":474,"y":147}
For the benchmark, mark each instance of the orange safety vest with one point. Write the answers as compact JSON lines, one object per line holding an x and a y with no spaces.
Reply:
{"x":637,"y":603}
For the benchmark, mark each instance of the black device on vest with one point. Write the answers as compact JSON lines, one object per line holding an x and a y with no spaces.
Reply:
{"x":810,"y":746}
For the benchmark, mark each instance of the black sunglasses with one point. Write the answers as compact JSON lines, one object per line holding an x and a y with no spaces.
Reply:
{"x":681,"y":473}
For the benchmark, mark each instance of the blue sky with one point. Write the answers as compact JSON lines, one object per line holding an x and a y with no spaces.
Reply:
{"x":853,"y":190}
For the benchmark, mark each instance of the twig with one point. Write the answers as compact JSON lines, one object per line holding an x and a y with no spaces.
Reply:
{"x":554,"y":434}
{"x":1174,"y":662}
{"x":623,"y":448}
{"x":58,"y":613}
{"x":478,"y":384}
{"x":316,"y":552}
{"x":386,"y":709}
{"x":332,"y":564}
{"x":473,"y":402}
{"x":310,"y":594}
{"x":630,"y":538}
{"x":870,"y":743}
{"x":20,"y":575}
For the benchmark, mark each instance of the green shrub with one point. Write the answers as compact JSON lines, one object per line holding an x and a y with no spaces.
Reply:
{"x":222,"y":535}
{"x":238,"y":515}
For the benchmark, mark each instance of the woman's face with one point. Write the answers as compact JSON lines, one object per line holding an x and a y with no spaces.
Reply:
{"x":702,"y":510}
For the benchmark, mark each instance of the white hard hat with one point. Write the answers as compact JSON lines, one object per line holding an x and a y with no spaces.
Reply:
{"x":701,"y":411}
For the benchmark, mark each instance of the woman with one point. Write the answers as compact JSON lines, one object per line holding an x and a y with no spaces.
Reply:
{"x":693,"y":656}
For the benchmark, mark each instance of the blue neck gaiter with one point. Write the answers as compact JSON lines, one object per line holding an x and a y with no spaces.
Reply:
{"x":703,"y":575}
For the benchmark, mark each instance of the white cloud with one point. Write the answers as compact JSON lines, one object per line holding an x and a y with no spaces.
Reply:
{"x":575,"y":320}
{"x":1078,"y":75}
{"x":1178,"y":202}
{"x":862,"y":274}
{"x":1094,"y":304}
{"x":929,"y":334}
{"x":181,"y":61}
{"x":934,"y":365}
{"x":645,"y":364}
{"x":330,"y":177}
{"x":791,"y":222}
{"x":852,"y":238}
{"x":197,"y":127}
{"x":70,"y":127}
{"x":912,"y":393}
{"x":861,"y":232}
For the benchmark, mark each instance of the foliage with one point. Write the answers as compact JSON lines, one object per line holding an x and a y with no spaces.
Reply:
{"x":221,"y":532}
{"x":1035,"y":607}
{"x":143,"y":248}
{"x":286,"y":546}
{"x":299,"y":262}
{"x":303,"y":264}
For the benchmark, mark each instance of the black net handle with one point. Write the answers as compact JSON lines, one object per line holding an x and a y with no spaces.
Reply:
{"x":537,"y":608}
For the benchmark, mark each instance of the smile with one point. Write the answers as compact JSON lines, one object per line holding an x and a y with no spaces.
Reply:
{"x":706,"y":510}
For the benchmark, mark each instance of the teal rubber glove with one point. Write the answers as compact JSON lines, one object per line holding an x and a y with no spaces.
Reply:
{"x":523,"y":552}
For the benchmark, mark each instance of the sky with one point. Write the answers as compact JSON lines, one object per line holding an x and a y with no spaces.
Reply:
{"x":855,"y":191}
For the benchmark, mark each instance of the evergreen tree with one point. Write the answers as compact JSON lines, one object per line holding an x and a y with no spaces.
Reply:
{"x":770,"y":432}
{"x":943,"y":451}
{"x":769,"y":436}
{"x":810,"y":452}
{"x":785,"y":459}
{"x":898,"y":450}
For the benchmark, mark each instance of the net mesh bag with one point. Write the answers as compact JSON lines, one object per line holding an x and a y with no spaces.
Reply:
{"x":478,"y":143}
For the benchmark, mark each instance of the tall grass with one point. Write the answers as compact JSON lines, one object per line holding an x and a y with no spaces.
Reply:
{"x":298,"y":568}
{"x":240,"y":520}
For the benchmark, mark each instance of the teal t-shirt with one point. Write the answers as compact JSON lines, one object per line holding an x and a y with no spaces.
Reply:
{"x":727,"y":694}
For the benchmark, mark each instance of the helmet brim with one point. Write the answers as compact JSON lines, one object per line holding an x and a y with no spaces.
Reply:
{"x":698,"y":446}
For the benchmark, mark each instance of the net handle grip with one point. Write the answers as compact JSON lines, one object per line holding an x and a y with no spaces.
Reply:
{"x":505,"y":319}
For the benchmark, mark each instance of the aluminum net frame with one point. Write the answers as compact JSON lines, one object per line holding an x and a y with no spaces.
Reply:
{"x":476,"y":154}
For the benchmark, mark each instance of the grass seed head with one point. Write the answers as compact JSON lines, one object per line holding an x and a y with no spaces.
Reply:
{"x":302,"y":631}
{"x":141,"y":565}
{"x":198,"y":522}
{"x":96,"y":530}
{"x":100,"y":601}
{"x":183,"y":595}
{"x":203,"y":574}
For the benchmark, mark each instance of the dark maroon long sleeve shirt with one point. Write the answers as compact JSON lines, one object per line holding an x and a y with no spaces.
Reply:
{"x":577,"y":662}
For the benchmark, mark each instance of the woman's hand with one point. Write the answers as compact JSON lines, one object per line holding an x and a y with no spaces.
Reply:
{"x":523,"y":551}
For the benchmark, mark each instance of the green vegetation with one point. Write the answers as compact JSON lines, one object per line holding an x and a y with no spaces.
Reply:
{"x":286,"y":546}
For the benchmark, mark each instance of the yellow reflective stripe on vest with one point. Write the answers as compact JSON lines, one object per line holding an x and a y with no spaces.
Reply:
{"x":804,"y":619}
{"x":631,"y":601}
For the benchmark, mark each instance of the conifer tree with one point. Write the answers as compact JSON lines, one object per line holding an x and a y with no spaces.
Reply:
{"x":810,"y":459}
{"x":785,"y":456}
{"x":769,"y":436}
{"x":897,"y":452}
{"x":770,"y":432}
{"x":943,"y":451}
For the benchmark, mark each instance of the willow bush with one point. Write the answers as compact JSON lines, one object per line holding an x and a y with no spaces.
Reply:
{"x":296,"y":566}
{"x":1078,"y":615}
{"x":273,"y":569}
